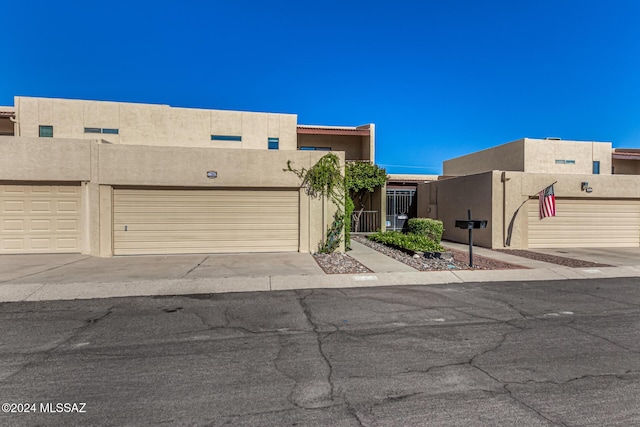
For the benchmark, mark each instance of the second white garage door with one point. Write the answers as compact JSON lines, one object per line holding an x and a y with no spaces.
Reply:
{"x":584,"y":223}
{"x":204,"y":221}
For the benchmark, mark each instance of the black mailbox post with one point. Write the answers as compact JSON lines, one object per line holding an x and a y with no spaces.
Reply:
{"x":470,"y":224}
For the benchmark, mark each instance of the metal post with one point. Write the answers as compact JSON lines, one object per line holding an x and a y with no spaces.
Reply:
{"x":470,"y":240}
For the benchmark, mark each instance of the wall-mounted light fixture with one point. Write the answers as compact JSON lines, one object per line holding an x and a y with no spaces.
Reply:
{"x":212,"y":174}
{"x":584,"y":186}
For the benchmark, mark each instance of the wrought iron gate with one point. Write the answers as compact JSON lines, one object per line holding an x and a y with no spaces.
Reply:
{"x":400,"y":207}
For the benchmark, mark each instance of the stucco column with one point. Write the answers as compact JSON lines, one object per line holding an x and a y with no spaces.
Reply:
{"x":106,"y":220}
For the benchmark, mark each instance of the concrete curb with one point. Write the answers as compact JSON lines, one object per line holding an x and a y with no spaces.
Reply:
{"x":137,"y":288}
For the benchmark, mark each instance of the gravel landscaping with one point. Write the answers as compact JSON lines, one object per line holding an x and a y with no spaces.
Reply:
{"x":460,"y":260}
{"x":339,"y":263}
{"x":554,"y":259}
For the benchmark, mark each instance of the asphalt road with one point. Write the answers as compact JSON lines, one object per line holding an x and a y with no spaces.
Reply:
{"x":526,"y":354}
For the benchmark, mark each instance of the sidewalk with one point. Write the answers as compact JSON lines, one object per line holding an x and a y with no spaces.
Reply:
{"x":35,"y":278}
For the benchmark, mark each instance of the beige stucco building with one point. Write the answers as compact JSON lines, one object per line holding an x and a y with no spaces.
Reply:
{"x":110,"y":178}
{"x":597,"y":192}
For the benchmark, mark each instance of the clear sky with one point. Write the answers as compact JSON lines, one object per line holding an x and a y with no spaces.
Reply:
{"x":438,"y":78}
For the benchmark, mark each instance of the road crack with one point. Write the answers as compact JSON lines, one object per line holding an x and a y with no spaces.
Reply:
{"x":319,"y":339}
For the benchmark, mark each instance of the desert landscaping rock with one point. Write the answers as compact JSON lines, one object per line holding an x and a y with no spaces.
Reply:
{"x":567,"y":262}
{"x":459,"y":261}
{"x":339,"y":263}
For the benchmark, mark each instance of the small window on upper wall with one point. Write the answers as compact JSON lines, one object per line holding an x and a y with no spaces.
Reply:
{"x":596,"y":167}
{"x":274,"y":143}
{"x":306,"y":148}
{"x":226,"y":138}
{"x":111,"y":131}
{"x":46,"y":131}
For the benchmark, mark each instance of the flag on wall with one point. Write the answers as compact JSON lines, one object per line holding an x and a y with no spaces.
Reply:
{"x":547,"y":202}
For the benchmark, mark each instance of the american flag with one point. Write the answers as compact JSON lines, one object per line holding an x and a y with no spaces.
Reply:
{"x":547,"y":202}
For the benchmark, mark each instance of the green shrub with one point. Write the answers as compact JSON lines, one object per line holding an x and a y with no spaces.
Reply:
{"x":411,"y":241}
{"x":430,"y":228}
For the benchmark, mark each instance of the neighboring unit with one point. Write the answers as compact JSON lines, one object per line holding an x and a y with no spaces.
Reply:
{"x":595,"y":208}
{"x":111,"y":178}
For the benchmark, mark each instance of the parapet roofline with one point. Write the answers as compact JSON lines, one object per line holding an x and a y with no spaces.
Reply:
{"x":626,"y":154}
{"x":364,"y":130}
{"x":7,"y":112}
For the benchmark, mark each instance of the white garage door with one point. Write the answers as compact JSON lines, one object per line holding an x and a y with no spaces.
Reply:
{"x":586,"y":223}
{"x":39,"y":219}
{"x":204,"y":221}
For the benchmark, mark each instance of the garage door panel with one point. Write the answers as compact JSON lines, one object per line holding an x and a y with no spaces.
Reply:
{"x":13,"y":207}
{"x":40,"y":225}
{"x":32,"y":222}
{"x":586,"y":223}
{"x":204,"y":221}
{"x":11,"y":245}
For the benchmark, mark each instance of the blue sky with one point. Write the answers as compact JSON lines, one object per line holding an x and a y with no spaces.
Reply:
{"x":438,"y":78}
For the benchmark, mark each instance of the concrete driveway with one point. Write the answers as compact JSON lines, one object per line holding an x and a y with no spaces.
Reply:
{"x":617,"y":257}
{"x":72,"y":268}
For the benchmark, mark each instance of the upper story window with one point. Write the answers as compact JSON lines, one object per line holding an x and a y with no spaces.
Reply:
{"x":111,"y":131}
{"x":274,"y":143}
{"x":308,"y":148}
{"x":46,"y":131}
{"x":565,"y":162}
{"x":596,"y":167}
{"x":226,"y":138}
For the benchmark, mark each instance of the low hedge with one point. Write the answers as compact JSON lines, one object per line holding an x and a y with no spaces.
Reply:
{"x":430,"y":228}
{"x":411,"y":241}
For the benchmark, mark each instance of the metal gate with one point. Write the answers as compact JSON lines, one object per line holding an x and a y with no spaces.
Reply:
{"x":400,"y":207}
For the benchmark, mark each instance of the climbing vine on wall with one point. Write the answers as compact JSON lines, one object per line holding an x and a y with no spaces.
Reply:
{"x":325,"y":179}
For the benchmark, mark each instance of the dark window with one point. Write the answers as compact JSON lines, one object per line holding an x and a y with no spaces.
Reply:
{"x":225,"y":138}
{"x":596,"y":167}
{"x":101,"y":130}
{"x":315,"y":148}
{"x":46,"y":131}
{"x":274,"y":143}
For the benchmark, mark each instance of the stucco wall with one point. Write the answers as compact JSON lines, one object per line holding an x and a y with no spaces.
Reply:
{"x":158,"y":125}
{"x":100,"y":166}
{"x":449,"y":199}
{"x":508,"y":156}
{"x":541,"y":155}
{"x":179,"y":166}
{"x":626,"y":167}
{"x":6,"y":126}
{"x":32,"y":159}
{"x":536,"y":156}
{"x":513,"y":189}
{"x":355,"y":147}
